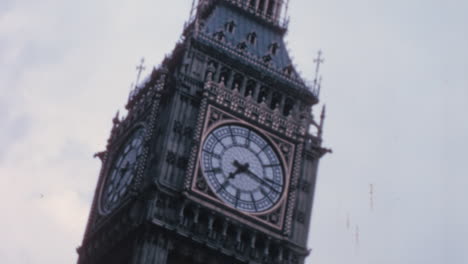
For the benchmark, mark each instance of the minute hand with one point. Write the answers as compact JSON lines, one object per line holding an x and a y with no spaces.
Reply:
{"x":260,"y":180}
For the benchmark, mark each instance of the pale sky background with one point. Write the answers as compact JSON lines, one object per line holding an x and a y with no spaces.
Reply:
{"x":395,"y":85}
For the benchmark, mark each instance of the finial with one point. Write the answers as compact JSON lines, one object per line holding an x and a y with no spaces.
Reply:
{"x":322,"y":121}
{"x":249,"y":95}
{"x":290,"y":114}
{"x":286,"y":9}
{"x":286,"y":17}
{"x":221,"y":83}
{"x":130,"y":94}
{"x":324,"y":108}
{"x":211,"y":69}
{"x":139,"y":69}
{"x":116,"y":119}
{"x":319,"y":86}
{"x":318,"y":79}
{"x":192,"y":9}
{"x":209,"y":76}
{"x":319,"y":60}
{"x":277,"y":108}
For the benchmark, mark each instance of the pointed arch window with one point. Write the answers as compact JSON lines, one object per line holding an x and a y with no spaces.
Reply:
{"x":230,"y":26}
{"x":288,"y":106}
{"x":270,"y":9}
{"x":219,"y":35}
{"x":273,"y":48}
{"x":252,"y":4}
{"x":242,"y":45}
{"x":261,"y":6}
{"x":288,"y":70}
{"x":276,"y":99}
{"x":267,"y":58}
{"x":252,"y":37}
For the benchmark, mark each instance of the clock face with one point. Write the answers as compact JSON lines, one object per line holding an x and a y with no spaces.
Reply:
{"x":242,"y":168}
{"x":122,"y":171}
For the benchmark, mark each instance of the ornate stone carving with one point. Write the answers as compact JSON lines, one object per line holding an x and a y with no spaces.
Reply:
{"x":247,"y":107}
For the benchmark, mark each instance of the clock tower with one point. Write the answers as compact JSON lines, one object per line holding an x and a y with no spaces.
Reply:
{"x":216,"y":160}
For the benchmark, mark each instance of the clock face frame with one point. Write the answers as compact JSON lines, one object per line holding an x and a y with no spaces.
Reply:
{"x":122,"y":171}
{"x":242,"y":168}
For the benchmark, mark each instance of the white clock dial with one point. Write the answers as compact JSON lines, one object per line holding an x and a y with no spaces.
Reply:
{"x":242,"y":168}
{"x":122,"y":171}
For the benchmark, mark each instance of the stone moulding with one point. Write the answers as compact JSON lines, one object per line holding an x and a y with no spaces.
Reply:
{"x":252,"y":111}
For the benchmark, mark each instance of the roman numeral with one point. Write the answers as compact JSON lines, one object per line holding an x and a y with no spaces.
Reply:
{"x":265,"y":194}
{"x":273,"y":182}
{"x":247,"y":139}
{"x":217,"y":156}
{"x":220,"y":142}
{"x":263,"y":148}
{"x":234,"y":142}
{"x":223,"y":186}
{"x":253,"y":202}
{"x":215,"y":170}
{"x":270,"y":165}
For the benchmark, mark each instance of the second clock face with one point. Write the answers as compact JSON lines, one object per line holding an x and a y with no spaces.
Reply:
{"x":242,"y":168}
{"x":122,"y":172}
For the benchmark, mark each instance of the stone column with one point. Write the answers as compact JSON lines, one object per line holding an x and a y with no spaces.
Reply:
{"x":230,"y":79}
{"x":277,"y":11}
{"x":218,"y":72}
{"x":243,"y":85}
{"x":265,"y":7}
{"x":257,"y":4}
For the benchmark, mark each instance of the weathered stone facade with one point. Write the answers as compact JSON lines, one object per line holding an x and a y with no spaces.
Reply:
{"x":231,"y":66}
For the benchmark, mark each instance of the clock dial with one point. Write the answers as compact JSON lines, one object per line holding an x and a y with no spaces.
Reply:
{"x":242,"y":168}
{"x":122,"y":171}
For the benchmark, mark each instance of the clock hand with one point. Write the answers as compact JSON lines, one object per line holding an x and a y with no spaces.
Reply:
{"x":240,"y":166}
{"x":260,"y":180}
{"x":123,"y":173}
{"x":236,"y":163}
{"x":239,"y":169}
{"x":233,"y":174}
{"x":272,"y":182}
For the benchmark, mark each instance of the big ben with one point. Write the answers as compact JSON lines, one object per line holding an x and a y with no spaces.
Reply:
{"x":216,"y":160}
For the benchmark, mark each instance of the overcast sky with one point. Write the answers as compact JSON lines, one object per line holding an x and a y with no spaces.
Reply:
{"x":395,"y":85}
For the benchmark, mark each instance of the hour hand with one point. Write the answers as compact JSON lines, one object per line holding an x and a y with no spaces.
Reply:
{"x":239,"y":169}
{"x":237,"y":164}
{"x":232,"y":175}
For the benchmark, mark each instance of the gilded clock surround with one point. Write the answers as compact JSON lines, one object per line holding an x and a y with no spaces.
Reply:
{"x":273,"y":217}
{"x":242,"y":168}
